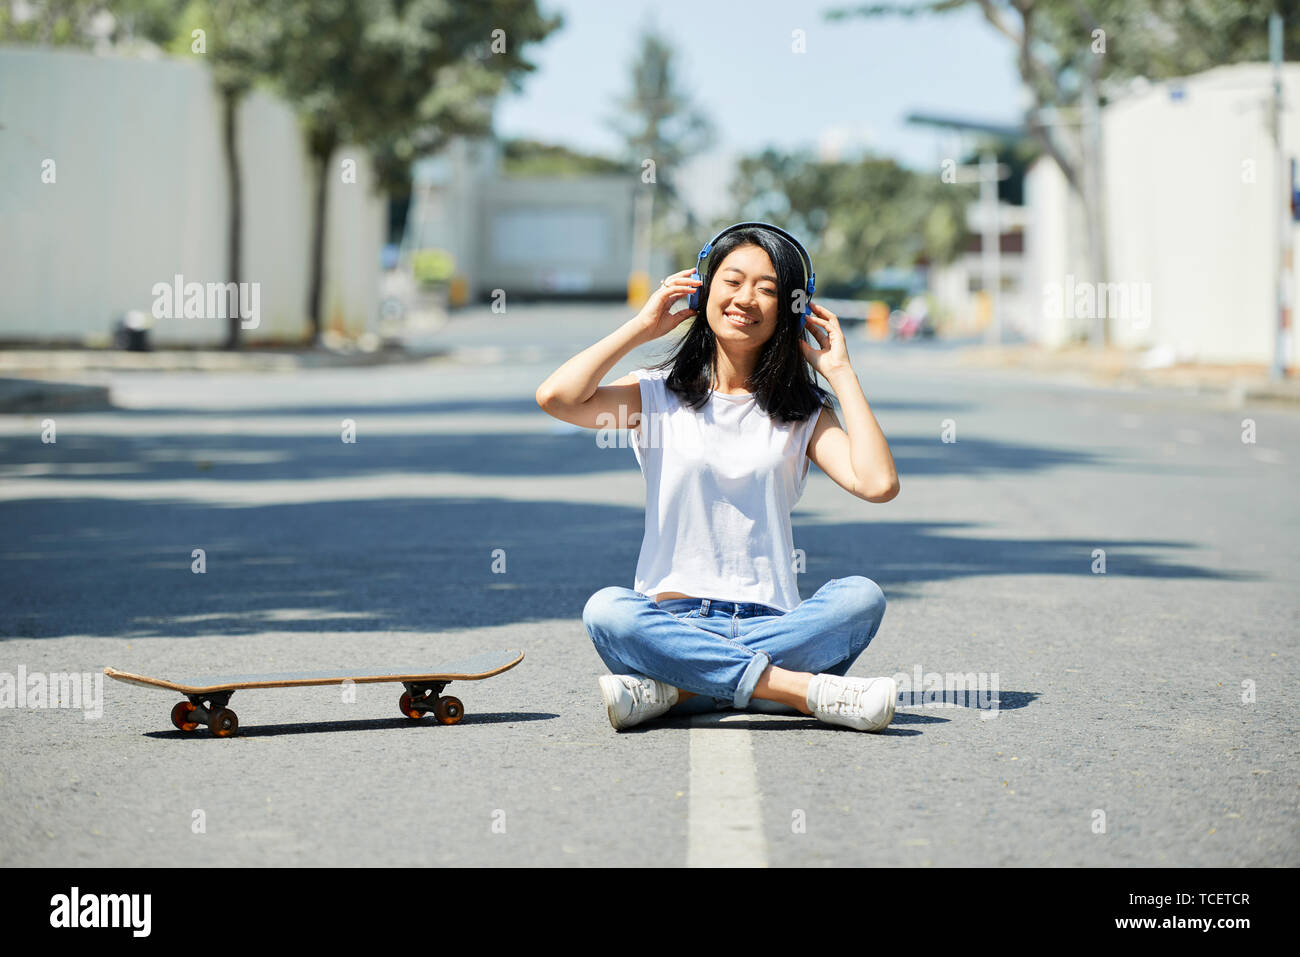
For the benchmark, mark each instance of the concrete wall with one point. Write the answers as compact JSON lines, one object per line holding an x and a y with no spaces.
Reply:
{"x":1188,"y":214}
{"x":1189,"y":184}
{"x":140,"y":195}
{"x":1055,"y":249}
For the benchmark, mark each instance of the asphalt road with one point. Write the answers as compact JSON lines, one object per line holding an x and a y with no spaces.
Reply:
{"x":1142,"y":715}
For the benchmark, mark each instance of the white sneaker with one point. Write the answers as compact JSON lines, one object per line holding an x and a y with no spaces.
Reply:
{"x":864,"y":704}
{"x":631,"y":699}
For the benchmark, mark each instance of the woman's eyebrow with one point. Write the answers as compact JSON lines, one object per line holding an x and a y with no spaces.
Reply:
{"x":760,"y":278}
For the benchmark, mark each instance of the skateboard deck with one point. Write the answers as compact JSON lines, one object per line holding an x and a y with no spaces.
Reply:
{"x":207,"y":697}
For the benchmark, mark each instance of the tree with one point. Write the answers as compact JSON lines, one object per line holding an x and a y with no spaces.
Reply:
{"x":397,"y":76}
{"x":1067,"y":51}
{"x":661,"y":129}
{"x":85,"y":23}
{"x":233,"y":44}
{"x":659,"y":124}
{"x":1058,"y":47}
{"x":524,"y":157}
{"x":854,"y":217}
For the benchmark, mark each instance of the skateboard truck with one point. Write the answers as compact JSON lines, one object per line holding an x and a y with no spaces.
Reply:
{"x":209,"y":709}
{"x":421,"y":699}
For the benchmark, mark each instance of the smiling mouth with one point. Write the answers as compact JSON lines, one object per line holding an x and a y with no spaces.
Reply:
{"x":739,"y":319}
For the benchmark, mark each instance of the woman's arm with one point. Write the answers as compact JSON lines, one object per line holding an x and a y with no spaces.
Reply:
{"x":856,"y":457}
{"x":572,"y":393}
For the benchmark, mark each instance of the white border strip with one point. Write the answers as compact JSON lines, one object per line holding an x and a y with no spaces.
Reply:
{"x":725,"y":827}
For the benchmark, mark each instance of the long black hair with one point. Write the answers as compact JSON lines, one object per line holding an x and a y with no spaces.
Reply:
{"x":782,"y":382}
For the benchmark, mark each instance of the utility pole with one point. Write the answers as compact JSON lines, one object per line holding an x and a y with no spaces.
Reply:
{"x":990,"y":244}
{"x":1090,"y":143}
{"x":987,"y":174}
{"x":1282,"y":206}
{"x":638,"y":283}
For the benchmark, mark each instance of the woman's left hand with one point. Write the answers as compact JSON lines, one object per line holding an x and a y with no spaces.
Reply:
{"x":833,"y":356}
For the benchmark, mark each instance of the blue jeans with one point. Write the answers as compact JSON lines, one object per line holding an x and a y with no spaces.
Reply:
{"x":719,"y":649}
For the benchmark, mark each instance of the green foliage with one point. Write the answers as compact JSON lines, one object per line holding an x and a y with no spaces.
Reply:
{"x":523,"y":157}
{"x":234,"y":41}
{"x":431,"y":266}
{"x":1158,"y":39}
{"x":396,"y":76}
{"x":78,"y":23}
{"x":1063,"y":48}
{"x":399,"y":76}
{"x":153,"y":20}
{"x":854,"y":217}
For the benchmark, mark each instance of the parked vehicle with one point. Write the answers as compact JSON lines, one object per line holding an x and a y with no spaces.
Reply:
{"x":913,"y":321}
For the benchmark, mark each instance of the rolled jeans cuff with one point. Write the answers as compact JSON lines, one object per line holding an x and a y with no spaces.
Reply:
{"x":754,"y":671}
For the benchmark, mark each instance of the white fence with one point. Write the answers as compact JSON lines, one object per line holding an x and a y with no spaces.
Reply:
{"x":138,"y":196}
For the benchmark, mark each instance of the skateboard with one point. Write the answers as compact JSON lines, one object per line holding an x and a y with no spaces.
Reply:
{"x":207,"y":698}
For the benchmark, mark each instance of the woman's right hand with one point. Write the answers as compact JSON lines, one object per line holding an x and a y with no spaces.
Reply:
{"x":655,"y":318}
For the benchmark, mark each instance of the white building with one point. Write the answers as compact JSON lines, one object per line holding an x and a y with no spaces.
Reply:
{"x":530,"y":236}
{"x":957,"y":288}
{"x":115,"y":182}
{"x":1189,"y":182}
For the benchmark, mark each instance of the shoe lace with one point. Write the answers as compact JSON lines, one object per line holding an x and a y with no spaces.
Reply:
{"x":848,"y":700}
{"x":644,"y":691}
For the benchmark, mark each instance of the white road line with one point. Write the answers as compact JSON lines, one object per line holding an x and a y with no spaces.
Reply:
{"x":725,"y":828}
{"x":602,"y":488}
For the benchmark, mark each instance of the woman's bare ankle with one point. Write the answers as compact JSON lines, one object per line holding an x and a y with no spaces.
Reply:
{"x":787,"y":687}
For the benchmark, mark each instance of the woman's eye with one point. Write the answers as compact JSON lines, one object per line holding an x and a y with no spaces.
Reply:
{"x":730,"y":282}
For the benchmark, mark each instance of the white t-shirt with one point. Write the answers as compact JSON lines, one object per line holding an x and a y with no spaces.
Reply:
{"x":720,"y":485}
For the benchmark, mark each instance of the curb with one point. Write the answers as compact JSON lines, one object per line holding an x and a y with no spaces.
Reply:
{"x":1116,"y":368}
{"x":198,"y":360}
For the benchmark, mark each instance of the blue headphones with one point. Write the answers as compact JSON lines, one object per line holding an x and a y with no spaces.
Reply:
{"x":694,"y":301}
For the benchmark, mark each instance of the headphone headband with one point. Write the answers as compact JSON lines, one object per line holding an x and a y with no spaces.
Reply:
{"x":810,"y":277}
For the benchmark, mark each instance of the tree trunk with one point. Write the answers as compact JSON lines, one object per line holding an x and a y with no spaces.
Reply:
{"x":322,"y":148}
{"x":234,"y":212}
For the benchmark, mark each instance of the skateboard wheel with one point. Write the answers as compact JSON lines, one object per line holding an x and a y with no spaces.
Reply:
{"x":449,"y":710}
{"x":180,"y":716}
{"x":407,"y":706}
{"x":223,"y":723}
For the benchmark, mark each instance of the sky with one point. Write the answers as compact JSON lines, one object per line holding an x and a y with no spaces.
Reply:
{"x":850,"y":91}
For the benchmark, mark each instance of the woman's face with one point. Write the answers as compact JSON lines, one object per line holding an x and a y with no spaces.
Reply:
{"x":743,"y":298}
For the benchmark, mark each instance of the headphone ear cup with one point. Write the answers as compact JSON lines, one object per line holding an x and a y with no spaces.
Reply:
{"x":693,"y":300}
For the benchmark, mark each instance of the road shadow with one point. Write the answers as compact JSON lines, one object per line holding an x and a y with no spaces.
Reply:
{"x":503,"y":405}
{"x":366,"y":724}
{"x":974,"y":700}
{"x":355,"y":557}
{"x":125,"y":568}
{"x":250,"y":456}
